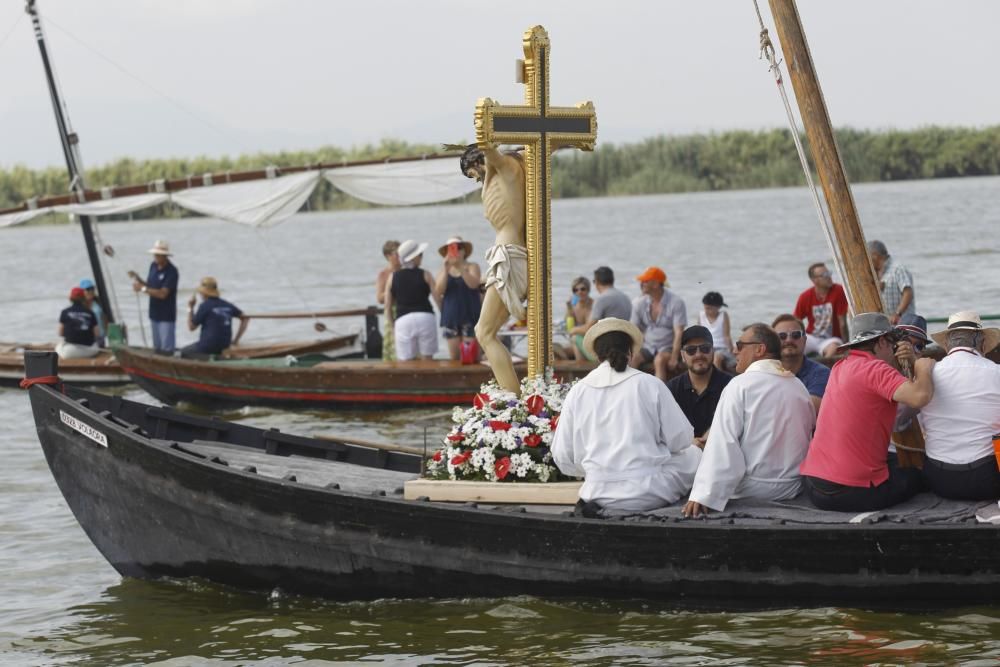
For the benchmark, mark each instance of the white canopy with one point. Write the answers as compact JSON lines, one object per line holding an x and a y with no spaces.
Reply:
{"x":271,"y":201}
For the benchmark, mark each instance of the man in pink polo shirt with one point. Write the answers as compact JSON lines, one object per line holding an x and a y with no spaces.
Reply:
{"x":846,"y":468}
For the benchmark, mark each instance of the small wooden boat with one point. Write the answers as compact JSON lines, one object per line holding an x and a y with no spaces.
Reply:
{"x":104,"y":369}
{"x":312,"y":381}
{"x":165,"y":494}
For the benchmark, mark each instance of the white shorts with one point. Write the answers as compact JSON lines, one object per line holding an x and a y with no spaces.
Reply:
{"x":74,"y":351}
{"x":816,"y":345}
{"x":416,"y":336}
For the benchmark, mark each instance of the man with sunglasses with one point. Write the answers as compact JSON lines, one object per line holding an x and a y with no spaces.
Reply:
{"x":760,"y":432}
{"x":793,"y":357}
{"x":824,"y":307}
{"x":698,"y":390}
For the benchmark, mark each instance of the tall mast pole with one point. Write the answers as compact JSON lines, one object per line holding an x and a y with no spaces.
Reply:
{"x":70,"y":151}
{"x":826,"y":155}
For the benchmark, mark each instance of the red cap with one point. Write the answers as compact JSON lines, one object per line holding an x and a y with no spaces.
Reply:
{"x":77,"y":294}
{"x":653,"y":273}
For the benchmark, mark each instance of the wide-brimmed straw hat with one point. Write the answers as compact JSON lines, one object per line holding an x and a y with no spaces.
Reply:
{"x":161,"y":247}
{"x":443,"y":250}
{"x":409,"y":250}
{"x":867,"y":327}
{"x":607,"y":325}
{"x":968,"y":320}
{"x":208,"y":287}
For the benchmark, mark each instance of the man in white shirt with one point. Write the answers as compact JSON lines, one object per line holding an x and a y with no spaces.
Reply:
{"x":964,"y":414}
{"x":760,"y":433}
{"x":622,"y":431}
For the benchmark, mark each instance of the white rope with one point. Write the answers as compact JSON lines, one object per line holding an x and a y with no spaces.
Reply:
{"x":774,"y":66}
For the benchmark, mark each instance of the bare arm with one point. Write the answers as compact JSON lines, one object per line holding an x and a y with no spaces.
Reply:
{"x":471,"y":275}
{"x":387,"y":300}
{"x":430,"y":283}
{"x":904,"y":303}
{"x":441,"y":283}
{"x":62,"y":330}
{"x":380,"y":282}
{"x":675,"y":353}
{"x":244,"y":321}
{"x":726,"y":335}
{"x":919,"y":391}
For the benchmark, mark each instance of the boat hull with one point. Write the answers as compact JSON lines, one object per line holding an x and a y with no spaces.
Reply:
{"x":155,"y":510}
{"x":335,"y":384}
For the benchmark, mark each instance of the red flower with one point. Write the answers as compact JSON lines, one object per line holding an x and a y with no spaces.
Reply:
{"x":498,"y":425}
{"x":437,"y":456}
{"x":533,"y":440}
{"x":461,"y":458}
{"x":481,"y":401}
{"x":535,"y":404}
{"x":502,"y":467}
{"x":456,"y":437}
{"x":554,"y":423}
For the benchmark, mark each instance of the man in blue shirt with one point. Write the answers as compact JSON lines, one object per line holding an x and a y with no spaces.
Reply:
{"x":793,"y":357}
{"x":215,"y":317}
{"x":161,"y":286}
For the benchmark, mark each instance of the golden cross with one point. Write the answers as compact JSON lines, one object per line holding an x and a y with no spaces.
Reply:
{"x":542,"y":129}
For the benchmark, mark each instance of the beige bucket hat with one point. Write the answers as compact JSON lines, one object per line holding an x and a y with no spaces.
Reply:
{"x":607,"y":325}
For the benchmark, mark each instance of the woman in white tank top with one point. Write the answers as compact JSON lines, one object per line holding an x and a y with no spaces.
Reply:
{"x":716,"y":320}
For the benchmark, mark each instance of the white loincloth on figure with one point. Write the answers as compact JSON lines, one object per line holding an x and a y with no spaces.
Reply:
{"x":508,"y":272}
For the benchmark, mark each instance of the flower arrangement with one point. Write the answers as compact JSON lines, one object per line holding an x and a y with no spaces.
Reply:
{"x":503,"y":438}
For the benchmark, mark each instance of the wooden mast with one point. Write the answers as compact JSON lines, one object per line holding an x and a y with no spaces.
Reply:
{"x":860,"y":275}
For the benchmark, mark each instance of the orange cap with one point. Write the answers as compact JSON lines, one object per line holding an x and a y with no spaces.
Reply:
{"x":653,"y":273}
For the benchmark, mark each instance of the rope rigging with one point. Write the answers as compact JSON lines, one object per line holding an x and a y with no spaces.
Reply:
{"x":774,"y":66}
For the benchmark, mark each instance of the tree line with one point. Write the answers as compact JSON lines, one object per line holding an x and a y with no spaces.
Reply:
{"x":737,"y":159}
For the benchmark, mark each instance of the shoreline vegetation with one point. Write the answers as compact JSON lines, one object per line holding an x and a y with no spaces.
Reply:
{"x":730,"y":160}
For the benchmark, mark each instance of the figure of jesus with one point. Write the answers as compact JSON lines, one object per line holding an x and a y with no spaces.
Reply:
{"x":502,"y":175}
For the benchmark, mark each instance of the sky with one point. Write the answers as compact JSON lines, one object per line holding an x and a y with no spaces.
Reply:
{"x":154,"y":79}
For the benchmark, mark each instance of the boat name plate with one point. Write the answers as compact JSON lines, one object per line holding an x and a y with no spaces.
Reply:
{"x":86,"y":429}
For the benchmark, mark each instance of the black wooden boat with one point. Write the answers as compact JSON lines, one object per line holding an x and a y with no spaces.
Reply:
{"x":161,"y":493}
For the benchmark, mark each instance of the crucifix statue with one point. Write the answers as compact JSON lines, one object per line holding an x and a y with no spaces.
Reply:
{"x":517,"y":198}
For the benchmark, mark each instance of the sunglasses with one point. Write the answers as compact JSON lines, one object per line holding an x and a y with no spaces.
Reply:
{"x":825,"y":274}
{"x":918,"y":347}
{"x":740,"y":344}
{"x":581,"y":288}
{"x":794,"y":335}
{"x":691,"y":350}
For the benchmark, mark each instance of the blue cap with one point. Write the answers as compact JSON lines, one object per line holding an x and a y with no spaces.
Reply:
{"x":86,"y":283}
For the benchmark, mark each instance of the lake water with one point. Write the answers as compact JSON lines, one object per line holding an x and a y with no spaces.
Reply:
{"x":63,"y":604}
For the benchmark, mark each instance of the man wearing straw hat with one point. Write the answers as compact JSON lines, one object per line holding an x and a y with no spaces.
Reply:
{"x":961,"y":420}
{"x":161,"y":286}
{"x":215,"y":317}
{"x":846,"y":468}
{"x":622,"y":431}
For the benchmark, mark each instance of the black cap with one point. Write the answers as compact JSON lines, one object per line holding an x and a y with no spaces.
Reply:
{"x":713,"y":299}
{"x":696,"y":331}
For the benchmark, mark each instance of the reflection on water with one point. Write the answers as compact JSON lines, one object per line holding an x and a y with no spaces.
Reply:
{"x":189,"y":623}
{"x":63,"y":604}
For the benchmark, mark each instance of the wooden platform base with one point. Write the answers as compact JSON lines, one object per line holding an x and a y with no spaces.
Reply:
{"x":528,"y":493}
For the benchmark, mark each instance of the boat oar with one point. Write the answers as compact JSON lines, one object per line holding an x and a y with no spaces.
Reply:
{"x":384,"y":446}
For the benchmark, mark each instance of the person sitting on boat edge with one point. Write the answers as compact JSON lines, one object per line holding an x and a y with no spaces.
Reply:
{"x":760,"y":432}
{"x":609,"y":302}
{"x":622,"y":431}
{"x":964,"y":415}
{"x":77,"y":328}
{"x":812,"y":374}
{"x":215,"y":317}
{"x":457,"y":290}
{"x":846,"y":468}
{"x":161,"y":286}
{"x":578,"y":310}
{"x":389,"y":251}
{"x":90,"y":294}
{"x":697,"y":391}
{"x":824,"y":306}
{"x":661,"y":315}
{"x":716,"y":320}
{"x":407,"y":305}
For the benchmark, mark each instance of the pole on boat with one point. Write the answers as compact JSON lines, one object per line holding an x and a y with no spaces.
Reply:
{"x":860,"y":275}
{"x":69,"y":145}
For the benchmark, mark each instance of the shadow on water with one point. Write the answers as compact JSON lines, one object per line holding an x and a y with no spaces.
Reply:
{"x":194,"y":623}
